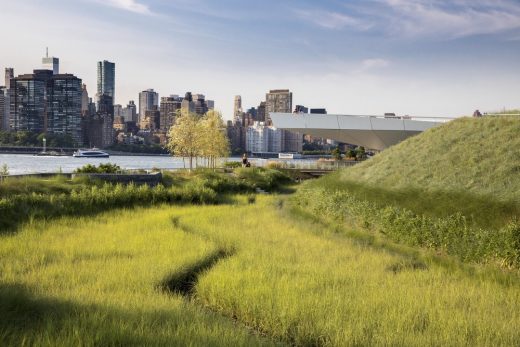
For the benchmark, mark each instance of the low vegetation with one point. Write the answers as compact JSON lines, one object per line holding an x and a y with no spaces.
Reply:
{"x":470,"y":155}
{"x":452,"y":189}
{"x":238,"y":274}
{"x":101,"y":168}
{"x":23,"y":199}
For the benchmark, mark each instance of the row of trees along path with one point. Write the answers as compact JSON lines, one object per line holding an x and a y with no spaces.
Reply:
{"x":194,"y":136}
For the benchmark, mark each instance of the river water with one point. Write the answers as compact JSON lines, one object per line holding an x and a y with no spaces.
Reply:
{"x":26,"y":163}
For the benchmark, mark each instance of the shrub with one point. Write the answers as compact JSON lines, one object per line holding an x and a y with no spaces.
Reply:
{"x":232,"y":164}
{"x":451,"y":234}
{"x":102,"y":168}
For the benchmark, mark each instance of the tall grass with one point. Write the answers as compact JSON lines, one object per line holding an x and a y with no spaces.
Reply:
{"x":452,"y":234}
{"x":99,"y":281}
{"x":29,"y":198}
{"x":300,"y":283}
{"x":473,"y":155}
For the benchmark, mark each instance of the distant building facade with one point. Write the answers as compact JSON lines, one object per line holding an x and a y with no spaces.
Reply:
{"x":170,"y":106}
{"x":130,"y":112}
{"x":280,"y":100}
{"x":106,"y":79}
{"x":51,"y":63}
{"x":261,"y":138}
{"x":44,"y":102}
{"x":2,"y":107}
{"x":148,"y":100}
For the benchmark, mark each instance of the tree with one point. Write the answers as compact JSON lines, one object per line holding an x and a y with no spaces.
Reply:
{"x":184,"y":138}
{"x":360,"y":153}
{"x":336,"y":153}
{"x":214,"y":142}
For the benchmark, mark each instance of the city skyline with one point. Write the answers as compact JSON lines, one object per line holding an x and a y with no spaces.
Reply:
{"x":423,"y":58}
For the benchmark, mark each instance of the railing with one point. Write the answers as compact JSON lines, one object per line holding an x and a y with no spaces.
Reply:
{"x":302,"y":164}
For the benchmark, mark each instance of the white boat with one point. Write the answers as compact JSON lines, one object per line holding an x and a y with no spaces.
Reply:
{"x":90,"y":153}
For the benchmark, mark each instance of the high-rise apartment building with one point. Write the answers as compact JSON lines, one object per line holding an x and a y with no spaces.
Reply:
{"x":9,"y":75}
{"x":51,"y":63}
{"x":280,"y":100}
{"x":263,"y":139}
{"x":106,"y":79}
{"x":85,"y":100}
{"x":237,"y":110}
{"x":64,"y":95}
{"x":170,"y":105}
{"x":44,"y":102}
{"x":130,"y":112}
{"x":28,"y":101}
{"x":148,"y":99}
{"x":260,"y":113}
{"x":2,"y":107}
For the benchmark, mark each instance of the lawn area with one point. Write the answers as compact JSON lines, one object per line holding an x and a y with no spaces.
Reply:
{"x":261,"y":276}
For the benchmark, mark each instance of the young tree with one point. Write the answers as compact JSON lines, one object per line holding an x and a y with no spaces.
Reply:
{"x":336,"y":153}
{"x":214,"y":141}
{"x":360,"y":153}
{"x":184,"y":138}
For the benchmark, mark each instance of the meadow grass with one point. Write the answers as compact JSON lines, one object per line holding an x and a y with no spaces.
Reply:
{"x":101,"y":281}
{"x":308,"y":286}
{"x":120,"y":279}
{"x":472,"y":155}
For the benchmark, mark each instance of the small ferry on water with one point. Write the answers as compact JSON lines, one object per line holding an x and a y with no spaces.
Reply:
{"x":90,"y":153}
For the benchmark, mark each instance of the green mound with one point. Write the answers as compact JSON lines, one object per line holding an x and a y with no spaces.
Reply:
{"x":471,"y":155}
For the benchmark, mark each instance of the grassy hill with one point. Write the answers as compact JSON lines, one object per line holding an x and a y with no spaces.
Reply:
{"x":454,"y":188}
{"x":475,"y":155}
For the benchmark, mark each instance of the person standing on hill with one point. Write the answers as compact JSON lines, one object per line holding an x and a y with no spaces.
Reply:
{"x":244,"y":160}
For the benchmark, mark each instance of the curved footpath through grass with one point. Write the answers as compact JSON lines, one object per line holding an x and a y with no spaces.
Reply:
{"x":262,"y":276}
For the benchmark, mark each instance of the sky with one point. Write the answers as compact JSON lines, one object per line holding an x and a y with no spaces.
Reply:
{"x":424,"y":58}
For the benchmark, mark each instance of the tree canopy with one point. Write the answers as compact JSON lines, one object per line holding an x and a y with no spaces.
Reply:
{"x":193,"y":136}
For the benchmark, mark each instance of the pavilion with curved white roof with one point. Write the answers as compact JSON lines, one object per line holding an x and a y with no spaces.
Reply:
{"x":372,"y":132}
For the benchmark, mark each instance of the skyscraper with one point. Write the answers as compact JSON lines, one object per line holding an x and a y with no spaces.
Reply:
{"x":238,"y":107}
{"x":280,"y":100}
{"x":44,"y":102}
{"x":9,"y":74}
{"x":64,"y":92}
{"x":28,"y":104}
{"x":84,"y":100}
{"x":2,"y":108}
{"x":130,"y":112}
{"x":51,"y":63}
{"x":147,"y":100}
{"x":106,"y":79}
{"x":169,"y":107}
{"x":4,"y":123}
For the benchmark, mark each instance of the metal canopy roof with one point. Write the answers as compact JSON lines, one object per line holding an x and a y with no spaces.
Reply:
{"x":372,"y":132}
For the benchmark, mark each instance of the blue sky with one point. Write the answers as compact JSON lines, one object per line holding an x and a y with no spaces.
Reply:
{"x":416,"y":57}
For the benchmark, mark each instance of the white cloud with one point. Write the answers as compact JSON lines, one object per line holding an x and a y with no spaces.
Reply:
{"x":127,"y":5}
{"x":455,"y":19}
{"x":374,"y":63}
{"x":332,"y":20}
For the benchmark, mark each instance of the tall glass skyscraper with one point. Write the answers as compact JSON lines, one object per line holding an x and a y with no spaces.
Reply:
{"x":106,"y":79}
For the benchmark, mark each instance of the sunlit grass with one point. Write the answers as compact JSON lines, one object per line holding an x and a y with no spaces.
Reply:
{"x":100,"y":280}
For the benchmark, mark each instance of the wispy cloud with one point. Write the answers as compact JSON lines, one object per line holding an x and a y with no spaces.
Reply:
{"x":421,"y":18}
{"x":332,"y":20}
{"x":127,"y":5}
{"x":374,"y":63}
{"x":454,"y":19}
